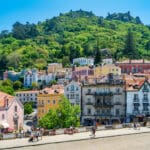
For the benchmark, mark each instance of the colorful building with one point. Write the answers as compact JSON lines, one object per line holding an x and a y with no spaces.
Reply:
{"x":49,"y":98}
{"x":134,"y":66}
{"x":11,"y":112}
{"x":82,"y":72}
{"x":54,"y":67}
{"x":106,"y":69}
{"x":137,"y":97}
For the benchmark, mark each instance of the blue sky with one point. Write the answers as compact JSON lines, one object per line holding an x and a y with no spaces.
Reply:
{"x":39,"y":10}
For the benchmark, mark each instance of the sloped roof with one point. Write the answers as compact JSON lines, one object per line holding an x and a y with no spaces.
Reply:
{"x":3,"y":97}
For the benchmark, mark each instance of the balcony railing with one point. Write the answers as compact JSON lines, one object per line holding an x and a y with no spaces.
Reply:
{"x":103,"y":104}
{"x":103,"y":94}
{"x":100,"y":93}
{"x":117,"y":103}
{"x":89,"y":103}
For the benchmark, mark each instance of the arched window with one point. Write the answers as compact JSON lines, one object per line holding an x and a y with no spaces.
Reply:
{"x":15,"y":108}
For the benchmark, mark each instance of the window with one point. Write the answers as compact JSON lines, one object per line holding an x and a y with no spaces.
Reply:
{"x":117,"y":112}
{"x":3,"y":116}
{"x":54,"y":101}
{"x":15,"y":108}
{"x":136,"y":108}
{"x":72,"y":96}
{"x":48,"y":101}
{"x":88,"y":100}
{"x":77,"y":96}
{"x":89,"y":111}
{"x":117,"y":90}
{"x":136,"y":97}
{"x":145,"y":107}
{"x":89,"y":90}
{"x":68,"y":96}
{"x":72,"y":87}
{"x":67,"y":89}
{"x":77,"y":88}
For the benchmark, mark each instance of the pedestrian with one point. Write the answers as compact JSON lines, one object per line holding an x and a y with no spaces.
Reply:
{"x":37,"y":135}
{"x":134,"y":125}
{"x":93,"y":131}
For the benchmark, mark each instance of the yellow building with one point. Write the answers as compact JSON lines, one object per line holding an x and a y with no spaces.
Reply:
{"x":54,"y":67}
{"x":49,"y":98}
{"x":106,"y":69}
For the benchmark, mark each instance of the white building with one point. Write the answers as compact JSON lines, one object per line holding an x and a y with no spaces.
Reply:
{"x":103,"y":100}
{"x":37,"y":77}
{"x":73,"y":92}
{"x":30,"y":77}
{"x":82,"y":61}
{"x":137,"y":98}
{"x":107,"y":61}
{"x":27,"y":96}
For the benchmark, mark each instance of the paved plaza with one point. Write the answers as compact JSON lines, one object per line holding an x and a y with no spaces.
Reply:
{"x":82,"y":138}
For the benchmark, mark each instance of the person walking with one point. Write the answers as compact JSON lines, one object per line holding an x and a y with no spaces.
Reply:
{"x":134,"y":125}
{"x":93,"y":130}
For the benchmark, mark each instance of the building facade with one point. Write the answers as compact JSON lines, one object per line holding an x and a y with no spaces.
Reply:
{"x":107,"y":69}
{"x":72,"y":91}
{"x":137,"y":98}
{"x":82,"y":61}
{"x":49,"y":98}
{"x":11,"y":112}
{"x":54,"y":67}
{"x":27,"y":96}
{"x":103,"y":100}
{"x":82,"y":72}
{"x":134,"y":66}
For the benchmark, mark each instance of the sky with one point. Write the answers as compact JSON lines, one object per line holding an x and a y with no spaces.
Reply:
{"x":38,"y":10}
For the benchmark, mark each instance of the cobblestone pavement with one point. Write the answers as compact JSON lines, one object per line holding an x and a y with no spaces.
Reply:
{"x":53,"y":141}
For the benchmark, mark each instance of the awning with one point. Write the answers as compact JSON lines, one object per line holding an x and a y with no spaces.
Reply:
{"x":4,"y":124}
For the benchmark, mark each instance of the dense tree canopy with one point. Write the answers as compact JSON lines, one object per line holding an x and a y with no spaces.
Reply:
{"x":70,"y":35}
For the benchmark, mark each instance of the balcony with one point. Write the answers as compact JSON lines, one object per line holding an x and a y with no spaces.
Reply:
{"x":98,"y":105}
{"x":89,"y":103}
{"x":103,"y":94}
{"x":103,"y":105}
{"x":117,"y":103}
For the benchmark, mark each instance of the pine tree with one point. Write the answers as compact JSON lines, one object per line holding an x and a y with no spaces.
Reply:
{"x":130,"y":46}
{"x":98,"y":54}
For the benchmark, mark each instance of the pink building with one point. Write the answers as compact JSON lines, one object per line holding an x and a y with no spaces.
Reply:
{"x":11,"y":112}
{"x":81,"y":72}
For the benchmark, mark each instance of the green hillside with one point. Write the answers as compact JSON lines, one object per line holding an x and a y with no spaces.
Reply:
{"x":70,"y":35}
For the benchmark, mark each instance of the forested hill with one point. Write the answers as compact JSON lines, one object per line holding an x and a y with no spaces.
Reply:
{"x":70,"y":35}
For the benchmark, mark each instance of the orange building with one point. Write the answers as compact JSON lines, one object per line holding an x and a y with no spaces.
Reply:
{"x":49,"y":98}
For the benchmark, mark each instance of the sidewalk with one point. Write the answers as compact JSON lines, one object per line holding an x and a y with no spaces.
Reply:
{"x":16,"y":143}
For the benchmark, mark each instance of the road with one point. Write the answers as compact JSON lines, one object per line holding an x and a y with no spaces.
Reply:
{"x":127,"y":142}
